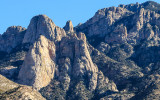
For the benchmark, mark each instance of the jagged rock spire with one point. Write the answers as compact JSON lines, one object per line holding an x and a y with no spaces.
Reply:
{"x":69,"y":26}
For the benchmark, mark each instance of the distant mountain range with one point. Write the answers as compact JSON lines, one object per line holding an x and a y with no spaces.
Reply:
{"x":115,"y":55}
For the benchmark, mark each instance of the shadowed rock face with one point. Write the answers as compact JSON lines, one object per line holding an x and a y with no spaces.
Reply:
{"x":75,"y":49}
{"x":114,"y":55}
{"x":11,"y":38}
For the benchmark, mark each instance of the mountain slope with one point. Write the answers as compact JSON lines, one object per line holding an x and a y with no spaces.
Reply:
{"x":114,"y":55}
{"x":10,"y":90}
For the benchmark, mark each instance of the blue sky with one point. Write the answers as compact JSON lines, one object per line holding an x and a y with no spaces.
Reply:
{"x":20,"y":12}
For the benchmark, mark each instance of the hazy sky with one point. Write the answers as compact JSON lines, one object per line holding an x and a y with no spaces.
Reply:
{"x":20,"y":12}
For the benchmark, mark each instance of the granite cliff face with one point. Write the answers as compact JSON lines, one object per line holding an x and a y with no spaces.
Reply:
{"x":42,"y":25}
{"x":39,"y":64}
{"x":113,"y":56}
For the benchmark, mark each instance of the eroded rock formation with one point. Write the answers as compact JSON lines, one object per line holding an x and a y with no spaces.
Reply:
{"x":114,"y":55}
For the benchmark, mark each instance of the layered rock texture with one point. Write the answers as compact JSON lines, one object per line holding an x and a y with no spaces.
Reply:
{"x":112,"y":56}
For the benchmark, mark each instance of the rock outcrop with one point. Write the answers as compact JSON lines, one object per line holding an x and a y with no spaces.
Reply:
{"x":48,"y":57}
{"x":11,"y":38}
{"x":68,"y":27}
{"x":76,"y":69}
{"x":75,"y":48}
{"x":39,"y":65}
{"x":119,"y":35}
{"x":100,"y":24}
{"x":42,"y":25}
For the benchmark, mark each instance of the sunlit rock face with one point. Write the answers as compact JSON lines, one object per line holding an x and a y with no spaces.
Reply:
{"x":39,"y":65}
{"x":40,"y":61}
{"x":42,"y":25}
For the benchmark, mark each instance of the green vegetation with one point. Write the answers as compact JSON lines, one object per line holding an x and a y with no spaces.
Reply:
{"x":80,"y":92}
{"x":53,"y":91}
{"x":77,"y":91}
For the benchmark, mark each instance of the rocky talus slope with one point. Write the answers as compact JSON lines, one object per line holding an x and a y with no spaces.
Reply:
{"x":112,"y":56}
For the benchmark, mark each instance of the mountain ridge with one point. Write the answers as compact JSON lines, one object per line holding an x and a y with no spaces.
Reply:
{"x":113,"y":55}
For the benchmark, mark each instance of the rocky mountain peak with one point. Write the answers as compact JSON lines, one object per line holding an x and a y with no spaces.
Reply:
{"x":11,"y":38}
{"x":151,"y":4}
{"x":42,"y":25}
{"x":69,"y":26}
{"x":103,"y":19}
{"x":14,"y":30}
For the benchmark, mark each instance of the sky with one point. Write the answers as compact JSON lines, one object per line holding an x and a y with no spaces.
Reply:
{"x":20,"y":12}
